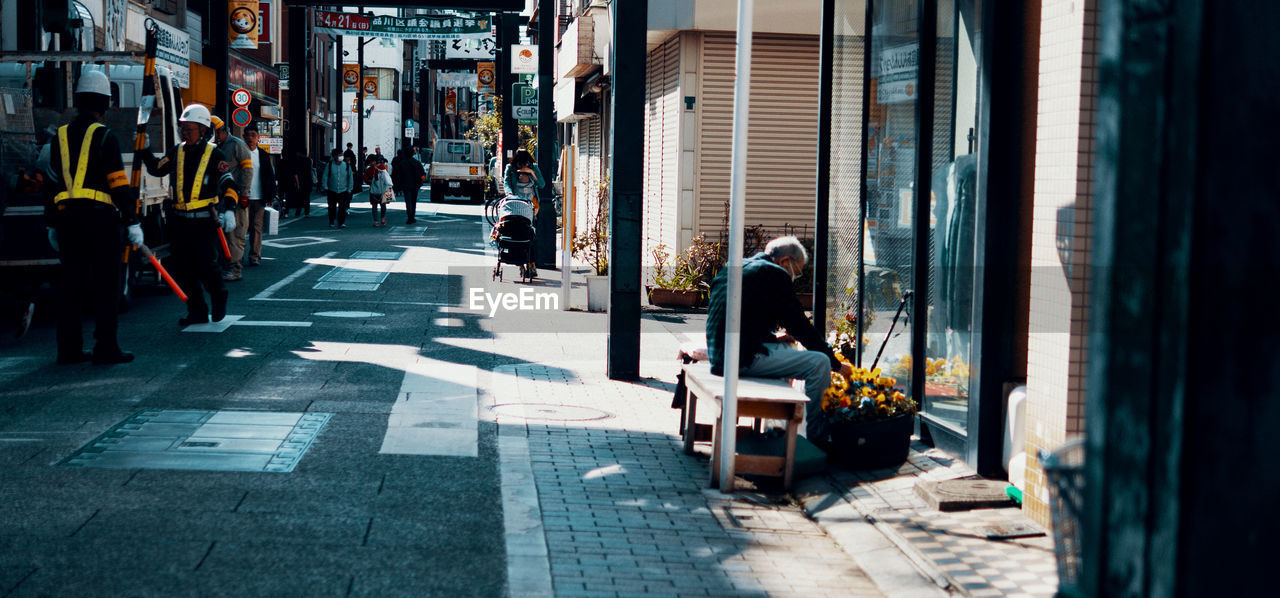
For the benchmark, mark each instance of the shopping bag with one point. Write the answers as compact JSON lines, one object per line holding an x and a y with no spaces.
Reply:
{"x":273,"y":220}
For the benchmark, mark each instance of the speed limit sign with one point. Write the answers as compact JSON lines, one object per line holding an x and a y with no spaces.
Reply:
{"x":240,"y":97}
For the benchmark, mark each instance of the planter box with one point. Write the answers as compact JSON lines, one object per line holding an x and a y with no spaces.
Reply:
{"x":673,"y":297}
{"x":871,"y":445}
{"x":597,"y":293}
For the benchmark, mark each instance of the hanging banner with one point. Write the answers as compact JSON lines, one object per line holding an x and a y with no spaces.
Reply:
{"x":444,"y":80}
{"x":440,"y":27}
{"x":264,"y":21}
{"x":451,"y":101}
{"x":114,"y":23}
{"x":370,"y":86}
{"x":350,"y":76}
{"x":471,"y":48}
{"x":485,"y":77}
{"x":242,"y":23}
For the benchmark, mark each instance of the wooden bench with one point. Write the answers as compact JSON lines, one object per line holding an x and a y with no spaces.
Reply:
{"x":767,"y":398}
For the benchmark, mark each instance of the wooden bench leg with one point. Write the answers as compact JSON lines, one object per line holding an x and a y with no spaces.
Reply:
{"x":715,"y":456}
{"x":793,"y":427}
{"x":690,"y":421}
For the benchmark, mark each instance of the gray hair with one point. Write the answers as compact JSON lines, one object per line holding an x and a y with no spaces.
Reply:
{"x":788,"y":246}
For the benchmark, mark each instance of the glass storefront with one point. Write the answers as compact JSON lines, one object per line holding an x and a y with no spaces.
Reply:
{"x":883,"y":250}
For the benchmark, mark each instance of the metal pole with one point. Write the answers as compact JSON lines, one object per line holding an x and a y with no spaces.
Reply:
{"x":340,"y":111}
{"x":547,"y":131}
{"x":822,"y":215}
{"x":359,"y":119}
{"x":299,"y":121}
{"x":626,"y":188}
{"x":217,"y":56}
{"x":737,"y":214}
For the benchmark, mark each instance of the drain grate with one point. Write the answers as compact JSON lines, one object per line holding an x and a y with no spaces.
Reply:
{"x":228,"y":440}
{"x":350,"y":279}
{"x":377,"y":255}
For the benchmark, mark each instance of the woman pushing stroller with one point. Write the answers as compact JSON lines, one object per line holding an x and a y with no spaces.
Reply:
{"x":522,"y":181}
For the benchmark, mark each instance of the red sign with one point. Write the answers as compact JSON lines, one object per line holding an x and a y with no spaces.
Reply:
{"x":241,"y":97}
{"x":451,"y":101}
{"x":240,"y":117}
{"x":264,"y":22}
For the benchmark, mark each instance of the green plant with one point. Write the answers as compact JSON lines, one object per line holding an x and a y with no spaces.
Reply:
{"x":704,"y":258}
{"x":678,"y":276}
{"x":592,"y":243}
{"x":487,"y":129}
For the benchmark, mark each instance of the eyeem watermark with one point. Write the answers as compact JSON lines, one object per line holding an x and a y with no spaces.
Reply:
{"x":523,"y":300}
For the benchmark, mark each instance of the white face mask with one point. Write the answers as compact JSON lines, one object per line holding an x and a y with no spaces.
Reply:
{"x":337,"y":159}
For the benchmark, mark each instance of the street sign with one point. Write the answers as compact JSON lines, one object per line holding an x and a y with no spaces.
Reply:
{"x":524,"y":59}
{"x":524,"y":103}
{"x":346,"y":125}
{"x":240,"y":117}
{"x":241,"y":97}
{"x":283,"y":69}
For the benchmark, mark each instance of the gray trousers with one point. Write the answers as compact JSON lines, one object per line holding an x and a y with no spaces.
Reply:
{"x":784,"y":361}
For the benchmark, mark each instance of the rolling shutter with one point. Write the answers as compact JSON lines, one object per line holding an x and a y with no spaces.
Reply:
{"x":783,"y":136}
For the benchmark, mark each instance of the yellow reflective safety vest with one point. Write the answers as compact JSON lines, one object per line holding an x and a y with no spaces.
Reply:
{"x":75,"y":184}
{"x":193,"y":202}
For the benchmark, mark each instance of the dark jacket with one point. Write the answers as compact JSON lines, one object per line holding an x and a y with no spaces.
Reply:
{"x":104,"y":172}
{"x":267,"y":176}
{"x":406,"y":172}
{"x":770,"y":302}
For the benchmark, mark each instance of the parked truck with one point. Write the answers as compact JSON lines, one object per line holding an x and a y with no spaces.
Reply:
{"x":457,"y":170}
{"x":28,"y":123}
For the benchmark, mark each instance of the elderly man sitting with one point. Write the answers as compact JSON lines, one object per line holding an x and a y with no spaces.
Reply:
{"x":767,"y":283}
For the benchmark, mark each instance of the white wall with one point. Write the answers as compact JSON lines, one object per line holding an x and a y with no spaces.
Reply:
{"x":792,"y":16}
{"x":383,"y":126}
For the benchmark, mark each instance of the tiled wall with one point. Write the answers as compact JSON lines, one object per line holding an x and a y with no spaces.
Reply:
{"x":1061,"y":225}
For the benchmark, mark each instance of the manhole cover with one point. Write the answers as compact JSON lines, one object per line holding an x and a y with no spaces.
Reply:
{"x":548,"y":411}
{"x":961,"y":495}
{"x":227,"y":440}
{"x":349,"y":314}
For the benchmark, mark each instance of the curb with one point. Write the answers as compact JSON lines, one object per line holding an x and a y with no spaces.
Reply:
{"x":888,"y":558}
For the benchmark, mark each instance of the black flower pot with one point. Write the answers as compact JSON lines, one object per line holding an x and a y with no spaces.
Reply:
{"x":872,"y":444}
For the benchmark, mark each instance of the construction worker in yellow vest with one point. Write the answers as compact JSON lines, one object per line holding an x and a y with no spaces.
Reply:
{"x":90,"y":209}
{"x":206,"y":199}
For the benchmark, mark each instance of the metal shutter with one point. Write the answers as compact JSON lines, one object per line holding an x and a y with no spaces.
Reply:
{"x":783,"y":136}
{"x":662,"y":147}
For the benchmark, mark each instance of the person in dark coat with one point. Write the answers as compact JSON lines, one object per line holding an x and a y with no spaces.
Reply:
{"x":769,"y":303}
{"x":408,"y":174}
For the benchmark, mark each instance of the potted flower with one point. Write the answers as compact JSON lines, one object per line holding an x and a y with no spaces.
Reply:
{"x":675,"y":283}
{"x":871,"y":419}
{"x":592,"y":246}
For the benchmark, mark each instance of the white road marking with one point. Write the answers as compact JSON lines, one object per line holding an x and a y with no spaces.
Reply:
{"x":272,"y":323}
{"x":292,"y":242}
{"x":215,"y":327}
{"x":267,"y":292}
{"x":435,"y":412}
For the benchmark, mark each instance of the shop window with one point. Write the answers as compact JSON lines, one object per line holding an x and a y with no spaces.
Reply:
{"x":954,"y":214}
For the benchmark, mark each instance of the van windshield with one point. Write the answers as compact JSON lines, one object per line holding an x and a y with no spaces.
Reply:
{"x":454,"y":151}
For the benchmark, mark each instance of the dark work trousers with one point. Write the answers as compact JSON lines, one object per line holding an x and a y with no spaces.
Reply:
{"x":91,"y":243}
{"x":411,"y":202}
{"x":338,"y":204}
{"x":299,"y":202}
{"x":194,"y":250}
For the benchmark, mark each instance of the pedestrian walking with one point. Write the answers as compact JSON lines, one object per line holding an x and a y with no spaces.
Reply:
{"x":242,"y":173}
{"x":262,"y":193}
{"x":206,"y":199}
{"x":408,"y":175}
{"x":380,"y":191}
{"x":91,"y":209}
{"x":337,"y":182}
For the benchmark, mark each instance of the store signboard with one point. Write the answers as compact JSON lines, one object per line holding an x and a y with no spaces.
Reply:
{"x":524,"y":59}
{"x":172,"y":51}
{"x":896,"y":74}
{"x":263,"y":84}
{"x":387,"y":26}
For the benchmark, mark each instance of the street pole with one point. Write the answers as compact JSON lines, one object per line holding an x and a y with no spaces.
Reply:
{"x":299,"y":122}
{"x":507,"y":35}
{"x":630,"y":21}
{"x":216,"y":56}
{"x":547,"y":133}
{"x":359,"y":119}
{"x":341,"y":110}
{"x":737,"y":215}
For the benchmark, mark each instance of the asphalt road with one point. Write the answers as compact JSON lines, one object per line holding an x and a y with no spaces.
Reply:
{"x":363,"y":511}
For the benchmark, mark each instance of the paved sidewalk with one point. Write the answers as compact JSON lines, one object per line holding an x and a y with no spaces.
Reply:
{"x":625,"y":513}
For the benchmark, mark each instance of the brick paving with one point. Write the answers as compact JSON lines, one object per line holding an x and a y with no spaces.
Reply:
{"x":625,"y":513}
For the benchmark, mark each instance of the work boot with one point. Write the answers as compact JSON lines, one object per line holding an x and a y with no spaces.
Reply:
{"x":112,"y":357}
{"x":193,"y":319}
{"x":220,"y":305}
{"x":77,"y":357}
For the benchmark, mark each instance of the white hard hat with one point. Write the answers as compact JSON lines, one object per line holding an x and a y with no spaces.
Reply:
{"x":94,"y":81}
{"x":195,"y":113}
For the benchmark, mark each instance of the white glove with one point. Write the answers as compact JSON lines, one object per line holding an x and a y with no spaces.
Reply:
{"x":228,"y":221}
{"x":135,"y":234}
{"x":53,"y":238}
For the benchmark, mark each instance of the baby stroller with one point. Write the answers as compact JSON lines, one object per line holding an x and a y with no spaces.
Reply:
{"x":515,"y":236}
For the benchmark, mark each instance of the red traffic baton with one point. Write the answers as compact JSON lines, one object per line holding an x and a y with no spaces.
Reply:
{"x":155,"y":263}
{"x":222,"y":238}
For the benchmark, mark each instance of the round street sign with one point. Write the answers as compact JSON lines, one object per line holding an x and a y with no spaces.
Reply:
{"x":240,"y":117}
{"x":346,"y":125}
{"x":240,"y":97}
